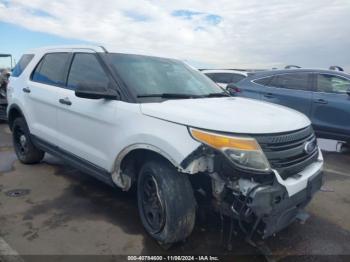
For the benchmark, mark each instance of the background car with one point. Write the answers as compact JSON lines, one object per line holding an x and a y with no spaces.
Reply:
{"x":322,"y":95}
{"x":225,"y":77}
{"x":5,"y":72}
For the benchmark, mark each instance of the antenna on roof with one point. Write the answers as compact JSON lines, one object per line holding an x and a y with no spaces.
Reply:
{"x":337,"y":68}
{"x":291,"y":66}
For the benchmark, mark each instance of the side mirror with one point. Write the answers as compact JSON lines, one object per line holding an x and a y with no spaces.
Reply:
{"x":86,"y":91}
{"x":233,"y":90}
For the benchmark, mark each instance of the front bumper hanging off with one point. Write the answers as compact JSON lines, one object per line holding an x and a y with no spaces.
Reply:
{"x":277,"y":210}
{"x":270,"y":208}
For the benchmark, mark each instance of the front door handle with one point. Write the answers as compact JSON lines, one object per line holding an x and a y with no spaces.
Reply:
{"x":65,"y":101}
{"x":26,"y":90}
{"x":321,"y":101}
{"x":269,"y":95}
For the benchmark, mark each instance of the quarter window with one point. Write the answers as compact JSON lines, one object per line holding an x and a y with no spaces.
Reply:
{"x":298,"y":81}
{"x":86,"y":71}
{"x":52,"y":69}
{"x":332,"y":84}
{"x":21,"y":65}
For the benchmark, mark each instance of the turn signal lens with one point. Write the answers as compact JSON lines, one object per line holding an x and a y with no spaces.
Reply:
{"x":221,"y":142}
{"x":244,"y":152}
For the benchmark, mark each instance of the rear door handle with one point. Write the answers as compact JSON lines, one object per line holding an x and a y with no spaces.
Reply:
{"x":269,"y":95}
{"x":65,"y":101}
{"x":321,"y":101}
{"x":26,"y":90}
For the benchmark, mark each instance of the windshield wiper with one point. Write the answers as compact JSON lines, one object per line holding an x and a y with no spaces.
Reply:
{"x":170,"y":95}
{"x":221,"y":94}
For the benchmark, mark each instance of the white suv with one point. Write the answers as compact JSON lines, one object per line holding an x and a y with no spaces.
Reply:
{"x":165,"y":127}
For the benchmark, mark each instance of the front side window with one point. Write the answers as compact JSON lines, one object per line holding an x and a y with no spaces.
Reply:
{"x":21,"y":65}
{"x":295,"y":81}
{"x":87,"y":72}
{"x":145,"y":75}
{"x":332,"y":84}
{"x":52,"y":69}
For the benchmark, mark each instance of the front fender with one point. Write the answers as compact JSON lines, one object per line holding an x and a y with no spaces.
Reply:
{"x":170,"y":140}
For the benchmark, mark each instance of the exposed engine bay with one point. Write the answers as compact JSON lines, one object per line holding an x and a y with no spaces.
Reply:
{"x":257,"y":201}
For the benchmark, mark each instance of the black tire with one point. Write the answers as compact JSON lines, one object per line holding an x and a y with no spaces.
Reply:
{"x":176,"y":203}
{"x":25,"y":150}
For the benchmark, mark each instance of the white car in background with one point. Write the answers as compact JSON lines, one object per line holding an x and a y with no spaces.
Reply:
{"x":225,"y":77}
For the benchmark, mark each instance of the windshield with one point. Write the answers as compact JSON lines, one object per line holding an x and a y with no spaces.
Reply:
{"x":153,"y":76}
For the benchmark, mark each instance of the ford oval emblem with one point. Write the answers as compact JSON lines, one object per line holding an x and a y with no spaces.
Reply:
{"x":310,"y":146}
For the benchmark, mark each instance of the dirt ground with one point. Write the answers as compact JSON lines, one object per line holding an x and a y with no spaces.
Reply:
{"x":65,"y":212}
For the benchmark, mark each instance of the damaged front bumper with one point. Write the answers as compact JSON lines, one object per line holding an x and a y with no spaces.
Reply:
{"x":277,"y":210}
{"x":268,"y":208}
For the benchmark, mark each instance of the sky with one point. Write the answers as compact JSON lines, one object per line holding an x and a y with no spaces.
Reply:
{"x":205,"y":33}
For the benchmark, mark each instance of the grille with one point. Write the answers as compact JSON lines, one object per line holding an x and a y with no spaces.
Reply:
{"x":286,"y":152}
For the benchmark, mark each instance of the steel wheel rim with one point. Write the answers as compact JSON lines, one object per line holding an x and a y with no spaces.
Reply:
{"x":151,"y":204}
{"x":21,"y":141}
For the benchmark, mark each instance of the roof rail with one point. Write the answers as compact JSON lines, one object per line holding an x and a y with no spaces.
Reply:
{"x":337,"y":68}
{"x":291,"y":66}
{"x":104,"y":49}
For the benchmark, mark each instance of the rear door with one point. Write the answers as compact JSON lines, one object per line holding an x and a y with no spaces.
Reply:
{"x":86,"y":126}
{"x":331,"y":106}
{"x":293,"y":90}
{"x":40,"y":93}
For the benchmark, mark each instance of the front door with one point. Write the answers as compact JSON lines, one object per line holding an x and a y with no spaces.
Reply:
{"x":86,"y":126}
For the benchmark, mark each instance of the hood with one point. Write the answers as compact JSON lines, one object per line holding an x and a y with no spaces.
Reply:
{"x":228,"y":114}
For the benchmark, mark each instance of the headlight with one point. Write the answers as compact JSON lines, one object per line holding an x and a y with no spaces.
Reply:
{"x":244,"y":152}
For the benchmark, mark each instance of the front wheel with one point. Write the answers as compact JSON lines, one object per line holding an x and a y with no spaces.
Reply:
{"x":166,"y":202}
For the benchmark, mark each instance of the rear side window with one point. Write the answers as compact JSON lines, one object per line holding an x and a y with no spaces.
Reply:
{"x":224,"y":78}
{"x":264,"y":81}
{"x":52,"y":69}
{"x":21,"y":65}
{"x":86,"y":71}
{"x":298,"y":81}
{"x":236,"y":78}
{"x":332,"y":84}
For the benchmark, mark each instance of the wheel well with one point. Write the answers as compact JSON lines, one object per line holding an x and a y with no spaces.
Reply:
{"x":133,"y":161}
{"x":13,"y":114}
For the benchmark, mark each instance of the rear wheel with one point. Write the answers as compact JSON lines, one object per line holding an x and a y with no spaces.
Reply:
{"x":166,"y":202}
{"x":25,"y":150}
